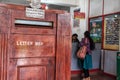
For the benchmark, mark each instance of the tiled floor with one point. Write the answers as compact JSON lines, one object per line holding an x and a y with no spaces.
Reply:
{"x":98,"y":76}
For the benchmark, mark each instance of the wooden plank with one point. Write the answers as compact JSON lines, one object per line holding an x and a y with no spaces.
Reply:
{"x":63,"y":47}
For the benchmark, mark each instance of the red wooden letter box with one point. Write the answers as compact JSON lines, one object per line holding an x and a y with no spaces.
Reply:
{"x":34,"y":47}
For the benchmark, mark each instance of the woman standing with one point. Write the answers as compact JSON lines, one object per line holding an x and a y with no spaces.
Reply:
{"x":75,"y":47}
{"x":86,"y":63}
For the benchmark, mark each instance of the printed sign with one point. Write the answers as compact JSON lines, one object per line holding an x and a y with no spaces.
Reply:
{"x":111,"y":32}
{"x":35,"y":13}
{"x":96,"y":29}
{"x":29,"y":43}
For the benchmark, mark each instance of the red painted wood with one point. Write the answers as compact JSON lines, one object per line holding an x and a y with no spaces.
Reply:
{"x":80,"y":71}
{"x":1,"y":58}
{"x":24,"y":29}
{"x":32,"y":53}
{"x":32,"y":68}
{"x":4,"y":30}
{"x":3,"y":55}
{"x":32,"y":46}
{"x":64,"y":49}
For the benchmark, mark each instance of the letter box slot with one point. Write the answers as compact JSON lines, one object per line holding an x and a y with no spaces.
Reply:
{"x":33,"y":23}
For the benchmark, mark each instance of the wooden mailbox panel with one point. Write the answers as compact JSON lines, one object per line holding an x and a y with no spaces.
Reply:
{"x":32,"y":46}
{"x":33,"y":29}
{"x":34,"y":52}
{"x":32,"y":69}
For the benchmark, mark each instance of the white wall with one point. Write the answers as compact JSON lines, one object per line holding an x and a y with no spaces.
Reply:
{"x":96,"y":56}
{"x":95,"y":8}
{"x":110,"y":6}
{"x":110,"y":62}
{"x":62,"y":2}
{"x":83,"y":5}
{"x":55,"y":2}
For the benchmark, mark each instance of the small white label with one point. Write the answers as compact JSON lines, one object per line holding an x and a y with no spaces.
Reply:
{"x":29,"y":43}
{"x":24,"y":43}
{"x":35,"y":13}
{"x":38,"y":43}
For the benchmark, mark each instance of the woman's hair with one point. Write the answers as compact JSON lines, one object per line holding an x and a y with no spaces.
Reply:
{"x":75,"y":35}
{"x":76,"y":40}
{"x":87,"y":34}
